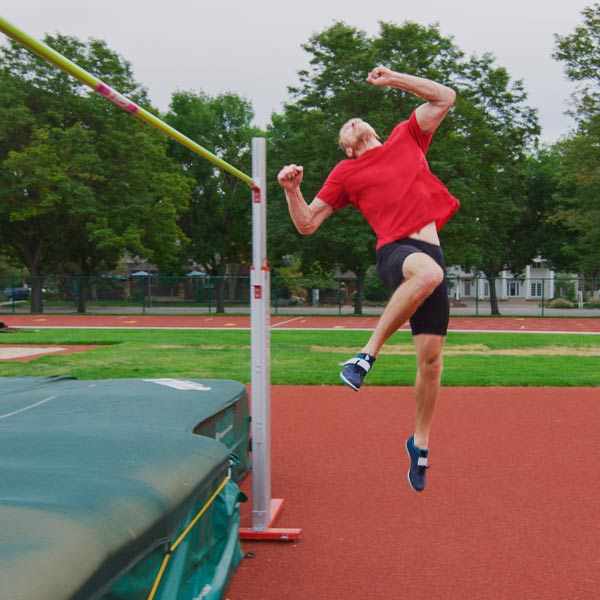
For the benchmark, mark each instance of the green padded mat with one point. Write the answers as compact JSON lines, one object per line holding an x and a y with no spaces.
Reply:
{"x":99,"y":478}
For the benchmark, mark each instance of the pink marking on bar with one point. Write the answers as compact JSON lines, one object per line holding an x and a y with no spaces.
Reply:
{"x":116,"y":98}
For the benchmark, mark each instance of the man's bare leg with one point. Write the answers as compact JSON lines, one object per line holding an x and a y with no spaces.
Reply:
{"x":429,"y":350}
{"x":421,"y":276}
{"x":427,"y":387}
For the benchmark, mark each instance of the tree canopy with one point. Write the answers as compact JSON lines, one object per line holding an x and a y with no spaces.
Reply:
{"x":81,"y":182}
{"x":217,"y":221}
{"x":479,"y":151}
{"x":578,"y":197}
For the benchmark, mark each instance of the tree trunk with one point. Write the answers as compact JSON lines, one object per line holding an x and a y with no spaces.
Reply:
{"x":360,"y":295}
{"x":221,"y":294}
{"x":493,"y":296}
{"x":36,"y":300}
{"x":232,"y":280}
{"x":32,"y":258}
{"x":81,"y":287}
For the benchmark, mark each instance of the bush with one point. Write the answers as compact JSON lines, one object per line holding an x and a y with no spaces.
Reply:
{"x":375,"y":291}
{"x":567,"y":288}
{"x":560,"y":303}
{"x":592,"y":304}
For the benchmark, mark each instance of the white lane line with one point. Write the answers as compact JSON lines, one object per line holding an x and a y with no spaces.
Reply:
{"x":16,"y":412}
{"x":285,"y":322}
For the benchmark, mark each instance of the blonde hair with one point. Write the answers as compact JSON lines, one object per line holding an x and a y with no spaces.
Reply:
{"x":345,"y":126}
{"x":350,"y":143}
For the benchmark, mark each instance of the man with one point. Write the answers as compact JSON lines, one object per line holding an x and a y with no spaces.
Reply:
{"x":406,"y":205}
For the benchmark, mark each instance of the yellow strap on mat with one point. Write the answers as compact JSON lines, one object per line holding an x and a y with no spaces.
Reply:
{"x":178,"y":541}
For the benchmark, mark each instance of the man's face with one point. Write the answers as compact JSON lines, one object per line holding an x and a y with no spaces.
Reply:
{"x":352,"y":133}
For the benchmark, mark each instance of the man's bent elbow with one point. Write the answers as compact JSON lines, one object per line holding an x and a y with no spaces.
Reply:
{"x":449,"y":96}
{"x":305,"y":229}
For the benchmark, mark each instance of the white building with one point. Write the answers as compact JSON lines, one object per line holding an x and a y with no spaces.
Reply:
{"x":538,"y":282}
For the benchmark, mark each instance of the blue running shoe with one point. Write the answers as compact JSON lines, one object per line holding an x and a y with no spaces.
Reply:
{"x":355,"y":369}
{"x":418,"y":465}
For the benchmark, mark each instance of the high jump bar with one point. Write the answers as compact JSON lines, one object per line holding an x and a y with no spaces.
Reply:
{"x":105,"y":90}
{"x":265,"y":510}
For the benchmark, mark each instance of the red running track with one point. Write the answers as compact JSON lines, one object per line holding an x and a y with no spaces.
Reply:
{"x":526,"y":324}
{"x":510,"y":510}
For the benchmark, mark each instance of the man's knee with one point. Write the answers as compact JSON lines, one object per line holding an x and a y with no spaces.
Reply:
{"x":430,"y":359}
{"x":424,"y":272}
{"x":431,"y":367}
{"x":431,"y":277}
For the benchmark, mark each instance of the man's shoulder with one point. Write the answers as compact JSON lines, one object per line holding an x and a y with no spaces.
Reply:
{"x":399,"y":130}
{"x":342,"y":166}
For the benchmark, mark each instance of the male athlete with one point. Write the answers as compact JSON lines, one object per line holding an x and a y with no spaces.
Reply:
{"x":406,"y":205}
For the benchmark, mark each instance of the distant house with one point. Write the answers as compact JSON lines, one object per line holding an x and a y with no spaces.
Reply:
{"x":536,"y":283}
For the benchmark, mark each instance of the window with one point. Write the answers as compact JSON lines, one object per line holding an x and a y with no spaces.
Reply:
{"x":467,"y":288}
{"x":536,"y":289}
{"x":513,"y":289}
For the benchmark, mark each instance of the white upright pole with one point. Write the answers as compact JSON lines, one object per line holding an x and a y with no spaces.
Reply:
{"x":260,"y":337}
{"x":265,"y":510}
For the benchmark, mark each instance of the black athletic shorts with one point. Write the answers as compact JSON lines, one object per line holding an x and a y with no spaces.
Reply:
{"x":434,"y":313}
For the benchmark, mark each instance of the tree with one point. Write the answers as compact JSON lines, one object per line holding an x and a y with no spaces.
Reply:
{"x":81,"y":182}
{"x":37,"y":184}
{"x":479,"y":151}
{"x":578,"y":198}
{"x":580,"y":52}
{"x":493,"y":134}
{"x":218,"y":220}
{"x":546,"y":236}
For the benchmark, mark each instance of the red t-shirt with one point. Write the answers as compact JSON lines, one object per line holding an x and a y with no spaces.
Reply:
{"x":392,"y":186}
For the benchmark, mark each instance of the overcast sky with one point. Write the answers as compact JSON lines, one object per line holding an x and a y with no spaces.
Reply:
{"x":253,"y":47}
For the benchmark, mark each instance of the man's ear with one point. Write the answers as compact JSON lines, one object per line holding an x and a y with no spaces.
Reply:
{"x":349,"y":151}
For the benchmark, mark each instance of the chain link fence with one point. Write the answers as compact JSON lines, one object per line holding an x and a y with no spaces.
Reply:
{"x":206,"y":294}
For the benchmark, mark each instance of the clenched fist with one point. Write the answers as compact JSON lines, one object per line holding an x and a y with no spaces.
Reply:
{"x":290,"y":177}
{"x":381,"y":76}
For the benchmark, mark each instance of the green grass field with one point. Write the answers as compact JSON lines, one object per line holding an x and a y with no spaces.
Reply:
{"x":311,"y":357}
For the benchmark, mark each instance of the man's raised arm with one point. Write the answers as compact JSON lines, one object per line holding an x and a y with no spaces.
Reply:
{"x":307,"y":218}
{"x":439,"y":98}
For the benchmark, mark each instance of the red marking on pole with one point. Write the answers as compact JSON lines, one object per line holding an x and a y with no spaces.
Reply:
{"x":257,"y":292}
{"x":116,"y":98}
{"x":256,"y":195}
